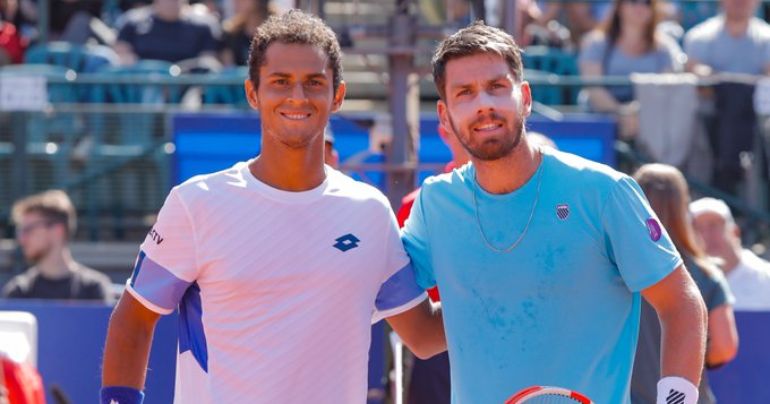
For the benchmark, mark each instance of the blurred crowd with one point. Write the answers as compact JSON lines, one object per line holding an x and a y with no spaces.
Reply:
{"x":608,"y":33}
{"x":667,"y":48}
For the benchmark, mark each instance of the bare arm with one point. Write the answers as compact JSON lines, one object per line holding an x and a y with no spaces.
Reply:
{"x":422,"y":329}
{"x":683,"y":318}
{"x":723,"y":337}
{"x":129,"y":338}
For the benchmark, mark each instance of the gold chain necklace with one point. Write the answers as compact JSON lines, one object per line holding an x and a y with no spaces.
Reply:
{"x":529,"y":221}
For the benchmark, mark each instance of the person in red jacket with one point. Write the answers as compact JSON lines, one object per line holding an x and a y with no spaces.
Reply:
{"x":429,"y":381}
{"x":11,"y":44}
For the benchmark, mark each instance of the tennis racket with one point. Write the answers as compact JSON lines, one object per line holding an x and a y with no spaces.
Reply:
{"x":547,"y":395}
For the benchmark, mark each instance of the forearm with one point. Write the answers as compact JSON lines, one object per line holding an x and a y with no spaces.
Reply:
{"x":126,"y":350}
{"x":421,"y":329}
{"x":683,"y":339}
{"x":435,"y":341}
{"x":602,"y":101}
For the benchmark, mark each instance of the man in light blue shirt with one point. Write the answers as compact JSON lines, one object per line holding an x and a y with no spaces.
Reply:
{"x":734,"y":41}
{"x":541,"y":257}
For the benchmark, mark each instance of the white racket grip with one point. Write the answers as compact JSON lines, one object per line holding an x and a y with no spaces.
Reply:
{"x":676,"y":390}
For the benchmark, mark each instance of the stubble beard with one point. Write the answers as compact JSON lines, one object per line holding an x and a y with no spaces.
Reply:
{"x":491,"y":149}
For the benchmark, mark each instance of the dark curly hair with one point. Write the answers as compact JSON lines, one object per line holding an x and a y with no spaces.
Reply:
{"x":295,"y":27}
{"x":475,"y":39}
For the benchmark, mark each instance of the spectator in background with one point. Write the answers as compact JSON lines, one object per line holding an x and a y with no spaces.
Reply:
{"x":627,"y":43}
{"x":733,"y":42}
{"x":11,"y":44}
{"x":580,"y":17}
{"x":238,"y":30}
{"x":747,"y":274}
{"x":668,"y":194}
{"x":167,"y":30}
{"x":44,"y":224}
{"x":429,"y":381}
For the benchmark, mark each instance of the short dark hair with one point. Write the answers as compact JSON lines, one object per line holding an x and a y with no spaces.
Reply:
{"x":475,"y":39}
{"x":54,"y":206}
{"x":295,"y":27}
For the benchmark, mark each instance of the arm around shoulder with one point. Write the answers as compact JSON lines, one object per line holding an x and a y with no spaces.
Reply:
{"x":421,"y":328}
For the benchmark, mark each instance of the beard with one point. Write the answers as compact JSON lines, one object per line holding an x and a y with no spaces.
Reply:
{"x":490,"y":149}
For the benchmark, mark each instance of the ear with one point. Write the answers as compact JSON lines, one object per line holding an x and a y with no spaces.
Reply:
{"x":339,"y":97}
{"x":61,"y":231}
{"x":251,"y":94}
{"x":526,"y":98}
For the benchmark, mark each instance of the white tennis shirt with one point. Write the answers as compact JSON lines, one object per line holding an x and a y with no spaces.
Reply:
{"x":276,"y":290}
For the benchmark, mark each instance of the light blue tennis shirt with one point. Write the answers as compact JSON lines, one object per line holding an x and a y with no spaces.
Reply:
{"x":562,"y":307}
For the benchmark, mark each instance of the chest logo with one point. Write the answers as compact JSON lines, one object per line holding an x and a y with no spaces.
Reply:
{"x":346,"y":242}
{"x":562,"y":211}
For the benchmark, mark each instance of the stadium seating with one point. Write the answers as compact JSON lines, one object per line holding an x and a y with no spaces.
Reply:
{"x":80,"y":58}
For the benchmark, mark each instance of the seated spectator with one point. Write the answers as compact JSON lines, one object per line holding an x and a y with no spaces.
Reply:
{"x":666,"y":189}
{"x":78,"y":21}
{"x":747,"y":274}
{"x":627,"y":43}
{"x":11,"y":44}
{"x":167,"y":30}
{"x":238,"y":30}
{"x":580,"y":17}
{"x":44,"y":224}
{"x":732,"y":42}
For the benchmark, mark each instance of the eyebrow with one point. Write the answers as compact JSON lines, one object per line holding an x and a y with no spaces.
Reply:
{"x":287,"y":75}
{"x":499,"y":77}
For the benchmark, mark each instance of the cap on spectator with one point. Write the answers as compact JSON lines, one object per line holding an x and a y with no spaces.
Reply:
{"x":328,"y":134}
{"x":713,"y":205}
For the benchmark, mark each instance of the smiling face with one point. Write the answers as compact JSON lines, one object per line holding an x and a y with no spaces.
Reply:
{"x":485,"y":105}
{"x":295,"y":95}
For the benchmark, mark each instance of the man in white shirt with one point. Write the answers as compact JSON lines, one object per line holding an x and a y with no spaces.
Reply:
{"x":278,"y":265}
{"x":747,"y":274}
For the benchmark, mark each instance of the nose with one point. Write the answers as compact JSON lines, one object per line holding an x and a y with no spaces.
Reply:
{"x":484,"y":103}
{"x":298,"y":92}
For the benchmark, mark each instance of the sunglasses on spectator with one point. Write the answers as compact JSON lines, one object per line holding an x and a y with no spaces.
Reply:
{"x":644,"y":2}
{"x":29,"y":228}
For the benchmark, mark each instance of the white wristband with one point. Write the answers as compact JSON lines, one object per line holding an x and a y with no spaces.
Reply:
{"x":676,"y":390}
